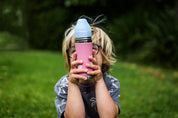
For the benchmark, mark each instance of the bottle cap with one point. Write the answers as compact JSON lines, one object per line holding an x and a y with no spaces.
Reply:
{"x":82,"y":29}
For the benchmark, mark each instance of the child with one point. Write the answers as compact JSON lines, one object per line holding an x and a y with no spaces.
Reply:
{"x":78,"y":97}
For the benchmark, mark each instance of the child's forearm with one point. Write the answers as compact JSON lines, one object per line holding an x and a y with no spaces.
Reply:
{"x":105,"y":105}
{"x":75,"y":106}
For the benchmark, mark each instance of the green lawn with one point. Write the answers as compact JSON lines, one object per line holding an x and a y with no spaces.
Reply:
{"x":27,"y":82}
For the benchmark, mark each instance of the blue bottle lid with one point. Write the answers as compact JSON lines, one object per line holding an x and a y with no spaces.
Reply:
{"x":82,"y":29}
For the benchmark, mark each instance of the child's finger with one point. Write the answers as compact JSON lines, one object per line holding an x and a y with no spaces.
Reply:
{"x":76,"y":63}
{"x":93,"y":60}
{"x":92,"y":66}
{"x":74,"y":56}
{"x":76,"y":71}
{"x":77,"y":76}
{"x":94,"y":53}
{"x":96,"y":72}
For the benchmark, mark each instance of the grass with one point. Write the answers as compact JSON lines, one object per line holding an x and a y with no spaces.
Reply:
{"x":27,"y":82}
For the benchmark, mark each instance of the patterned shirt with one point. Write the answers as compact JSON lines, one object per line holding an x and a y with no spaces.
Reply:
{"x":88,"y":95}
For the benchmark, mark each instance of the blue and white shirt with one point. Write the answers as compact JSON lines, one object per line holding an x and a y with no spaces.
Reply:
{"x":88,"y":95}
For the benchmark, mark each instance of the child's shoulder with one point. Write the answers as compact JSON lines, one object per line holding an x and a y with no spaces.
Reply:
{"x":63,"y":81}
{"x":62,"y":86}
{"x":108,"y":77}
{"x":110,"y":80}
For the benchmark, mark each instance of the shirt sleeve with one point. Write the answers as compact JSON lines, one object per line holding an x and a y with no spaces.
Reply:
{"x":114,"y":91}
{"x":61,"y":89}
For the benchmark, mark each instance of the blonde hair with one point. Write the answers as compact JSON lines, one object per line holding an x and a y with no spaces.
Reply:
{"x":98,"y":37}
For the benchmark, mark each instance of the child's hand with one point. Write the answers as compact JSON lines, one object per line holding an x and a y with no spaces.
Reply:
{"x":97,"y":73}
{"x":74,"y":71}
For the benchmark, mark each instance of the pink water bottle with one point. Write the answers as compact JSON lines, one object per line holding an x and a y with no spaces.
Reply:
{"x":83,"y":44}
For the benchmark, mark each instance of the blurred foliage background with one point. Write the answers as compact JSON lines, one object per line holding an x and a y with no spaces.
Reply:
{"x":143,"y":31}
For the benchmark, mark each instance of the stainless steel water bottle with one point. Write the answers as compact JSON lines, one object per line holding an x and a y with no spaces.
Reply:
{"x":83,"y":44}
